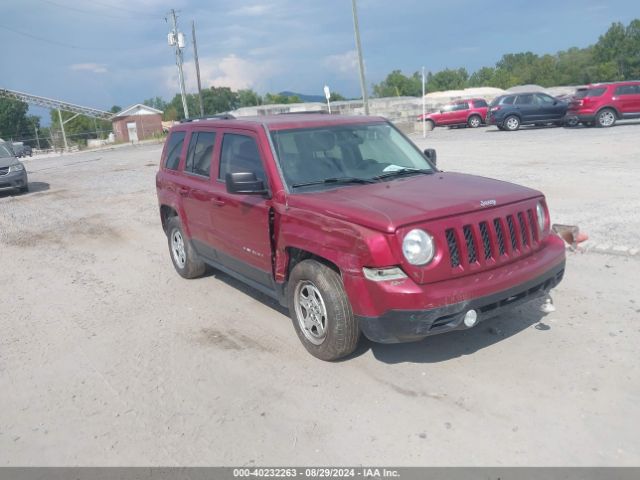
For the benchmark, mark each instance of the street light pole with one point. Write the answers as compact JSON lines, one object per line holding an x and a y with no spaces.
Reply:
{"x":195,"y":56}
{"x":424,"y":123}
{"x":363,"y":82}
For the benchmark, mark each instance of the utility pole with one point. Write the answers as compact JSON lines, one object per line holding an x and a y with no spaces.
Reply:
{"x":176,"y":39}
{"x":424,"y":110}
{"x":35,"y":128}
{"x":195,"y":56}
{"x":363,"y":82}
{"x":64,"y":135}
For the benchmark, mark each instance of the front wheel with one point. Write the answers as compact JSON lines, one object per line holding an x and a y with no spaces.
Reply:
{"x":511,"y":123}
{"x":430,"y":125}
{"x":606,"y":118}
{"x":184,"y":257}
{"x":321,"y":312}
{"x":474,"y":121}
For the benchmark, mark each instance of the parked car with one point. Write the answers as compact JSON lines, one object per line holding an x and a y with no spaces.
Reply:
{"x":471,"y":112}
{"x":509,"y":112}
{"x":348,"y":224}
{"x":602,"y":104}
{"x":27,"y":150}
{"x":18,"y":149}
{"x":13,"y":175}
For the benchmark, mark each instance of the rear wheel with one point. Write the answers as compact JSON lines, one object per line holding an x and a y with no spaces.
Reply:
{"x":511,"y":123}
{"x":474,"y":121}
{"x":321,"y":312}
{"x":184,"y":257}
{"x":606,"y":118}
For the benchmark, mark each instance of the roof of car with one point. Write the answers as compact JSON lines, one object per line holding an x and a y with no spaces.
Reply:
{"x":284,"y":121}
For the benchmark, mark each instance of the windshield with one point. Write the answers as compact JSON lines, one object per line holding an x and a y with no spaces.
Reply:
{"x":5,"y":151}
{"x":347,"y":153}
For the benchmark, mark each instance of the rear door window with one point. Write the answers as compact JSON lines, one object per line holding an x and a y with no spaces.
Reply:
{"x":200,"y":153}
{"x":625,"y":90}
{"x":174,"y":147}
{"x":526,"y":99}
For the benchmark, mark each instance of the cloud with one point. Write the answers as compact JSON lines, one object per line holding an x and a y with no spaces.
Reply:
{"x":346,"y":63}
{"x":251,"y":10}
{"x":89,"y":67}
{"x":230,"y":71}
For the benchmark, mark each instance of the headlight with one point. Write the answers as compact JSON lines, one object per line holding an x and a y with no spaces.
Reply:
{"x":542,"y":216}
{"x":418,"y":247}
{"x":17,"y":167}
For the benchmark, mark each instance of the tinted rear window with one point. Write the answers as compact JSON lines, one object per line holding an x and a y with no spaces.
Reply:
{"x":590,"y":92}
{"x":174,"y":147}
{"x":479,"y":103}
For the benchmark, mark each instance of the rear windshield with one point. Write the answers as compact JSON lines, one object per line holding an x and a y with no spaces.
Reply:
{"x":590,"y":92}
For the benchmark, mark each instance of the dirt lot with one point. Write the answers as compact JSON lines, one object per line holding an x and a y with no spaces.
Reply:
{"x":108,"y":357}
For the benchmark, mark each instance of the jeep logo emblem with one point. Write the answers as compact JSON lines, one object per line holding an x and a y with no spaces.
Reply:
{"x":488,"y":203}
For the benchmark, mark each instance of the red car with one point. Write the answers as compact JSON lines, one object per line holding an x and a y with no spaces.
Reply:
{"x":602,"y":104}
{"x":348,"y":224}
{"x":471,"y":112}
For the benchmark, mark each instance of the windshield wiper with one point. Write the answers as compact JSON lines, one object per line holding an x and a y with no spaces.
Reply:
{"x":401,"y":172}
{"x":335,"y":180}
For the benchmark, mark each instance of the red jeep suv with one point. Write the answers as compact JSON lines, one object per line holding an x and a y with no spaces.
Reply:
{"x":347,"y":223}
{"x":602,"y":104}
{"x":470,"y":112}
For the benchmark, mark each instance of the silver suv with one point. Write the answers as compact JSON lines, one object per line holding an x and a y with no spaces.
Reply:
{"x":13,"y":175}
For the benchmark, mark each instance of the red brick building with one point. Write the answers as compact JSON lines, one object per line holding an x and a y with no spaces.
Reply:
{"x":137,"y":123}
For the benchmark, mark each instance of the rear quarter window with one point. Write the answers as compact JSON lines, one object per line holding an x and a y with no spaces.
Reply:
{"x":479,"y":103}
{"x":590,"y":92}
{"x":173,"y":150}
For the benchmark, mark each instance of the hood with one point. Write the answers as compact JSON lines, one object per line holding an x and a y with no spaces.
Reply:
{"x":388,"y":205}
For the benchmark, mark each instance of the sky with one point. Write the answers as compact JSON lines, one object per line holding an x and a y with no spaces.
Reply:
{"x":101,"y":53}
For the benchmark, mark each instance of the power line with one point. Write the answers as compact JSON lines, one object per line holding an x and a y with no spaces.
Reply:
{"x":52,"y":42}
{"x":89,"y":12}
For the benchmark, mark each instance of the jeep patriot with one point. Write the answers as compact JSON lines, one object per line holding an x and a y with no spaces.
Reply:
{"x":347,"y":223}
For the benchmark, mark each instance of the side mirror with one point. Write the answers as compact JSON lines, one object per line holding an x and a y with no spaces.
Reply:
{"x":430,"y":153}
{"x":244,"y":183}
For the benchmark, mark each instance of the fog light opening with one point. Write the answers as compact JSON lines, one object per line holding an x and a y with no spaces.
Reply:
{"x":470,"y":318}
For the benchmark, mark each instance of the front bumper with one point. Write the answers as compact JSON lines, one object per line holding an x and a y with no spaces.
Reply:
{"x":13,"y":180}
{"x":397,"y":326}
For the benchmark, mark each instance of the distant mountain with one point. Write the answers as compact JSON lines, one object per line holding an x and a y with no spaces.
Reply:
{"x":303,"y":97}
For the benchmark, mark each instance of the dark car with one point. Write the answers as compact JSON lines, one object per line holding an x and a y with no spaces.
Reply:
{"x":348,"y":224}
{"x":602,"y":104}
{"x":471,"y":112}
{"x":13,"y":175}
{"x":509,"y":112}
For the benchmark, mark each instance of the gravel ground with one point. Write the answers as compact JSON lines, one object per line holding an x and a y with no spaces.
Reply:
{"x":108,"y":357}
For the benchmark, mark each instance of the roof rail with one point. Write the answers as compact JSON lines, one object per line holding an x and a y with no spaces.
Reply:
{"x":217,"y":116}
{"x":303,"y":113}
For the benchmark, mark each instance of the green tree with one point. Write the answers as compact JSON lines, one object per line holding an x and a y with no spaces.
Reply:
{"x":155,"y":102}
{"x":116,"y":109}
{"x":447,"y":79}
{"x":14,"y":123}
{"x":79,"y":129}
{"x":398,"y":84}
{"x":248,"y":98}
{"x":276,"y":98}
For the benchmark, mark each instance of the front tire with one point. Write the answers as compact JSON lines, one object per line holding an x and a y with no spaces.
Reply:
{"x":511,"y":123}
{"x":430,"y":125}
{"x":606,"y":118}
{"x":474,"y":121}
{"x":183,"y":256}
{"x":321,"y":312}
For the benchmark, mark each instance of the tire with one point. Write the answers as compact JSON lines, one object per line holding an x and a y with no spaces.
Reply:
{"x":430,"y":124}
{"x":321,"y":312}
{"x":606,"y":118}
{"x":183,"y":256}
{"x":511,"y":123}
{"x":474,"y":121}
